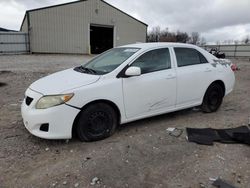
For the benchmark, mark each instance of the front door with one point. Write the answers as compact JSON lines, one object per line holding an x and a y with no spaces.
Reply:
{"x":154,"y":91}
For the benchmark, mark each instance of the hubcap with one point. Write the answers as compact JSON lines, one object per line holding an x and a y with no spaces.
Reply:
{"x":214,"y":98}
{"x":98,"y":123}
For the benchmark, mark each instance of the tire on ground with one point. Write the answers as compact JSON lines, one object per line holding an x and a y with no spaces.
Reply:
{"x":96,"y":122}
{"x":213,"y":98}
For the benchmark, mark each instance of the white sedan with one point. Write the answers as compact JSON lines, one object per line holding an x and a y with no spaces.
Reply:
{"x":122,"y":85}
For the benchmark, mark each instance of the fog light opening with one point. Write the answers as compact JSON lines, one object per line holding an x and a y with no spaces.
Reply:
{"x":44,"y":127}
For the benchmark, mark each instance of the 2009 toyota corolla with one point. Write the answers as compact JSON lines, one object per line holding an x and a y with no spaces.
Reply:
{"x":122,"y":85}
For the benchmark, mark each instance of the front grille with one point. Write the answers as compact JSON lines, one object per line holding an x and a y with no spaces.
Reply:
{"x":28,"y":100}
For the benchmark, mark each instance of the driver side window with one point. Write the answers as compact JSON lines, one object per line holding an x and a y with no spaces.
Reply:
{"x":154,"y":60}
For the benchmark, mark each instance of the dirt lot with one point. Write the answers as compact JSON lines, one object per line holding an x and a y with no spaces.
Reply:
{"x":140,"y":154}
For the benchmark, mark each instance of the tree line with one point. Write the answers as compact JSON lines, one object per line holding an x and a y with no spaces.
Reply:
{"x":245,"y":40}
{"x":158,"y":35}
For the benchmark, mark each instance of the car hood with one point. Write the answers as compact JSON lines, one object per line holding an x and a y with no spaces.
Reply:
{"x":62,"y":81}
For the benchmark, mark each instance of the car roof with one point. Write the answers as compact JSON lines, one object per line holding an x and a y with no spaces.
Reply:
{"x":158,"y":44}
{"x":152,"y":45}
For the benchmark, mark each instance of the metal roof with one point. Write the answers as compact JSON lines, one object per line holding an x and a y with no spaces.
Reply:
{"x":79,"y":1}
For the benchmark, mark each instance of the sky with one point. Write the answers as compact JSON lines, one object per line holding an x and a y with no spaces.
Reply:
{"x":215,"y":20}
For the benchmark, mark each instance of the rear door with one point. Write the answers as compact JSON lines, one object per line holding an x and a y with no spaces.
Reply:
{"x":194,"y":75}
{"x":154,"y":90}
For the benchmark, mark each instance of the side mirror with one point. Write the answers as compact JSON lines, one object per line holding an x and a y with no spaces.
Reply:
{"x":133,"y":71}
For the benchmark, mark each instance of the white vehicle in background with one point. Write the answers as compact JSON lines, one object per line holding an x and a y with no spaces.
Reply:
{"x":122,"y":85}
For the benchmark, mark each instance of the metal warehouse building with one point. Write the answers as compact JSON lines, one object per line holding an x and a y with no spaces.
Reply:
{"x":82,"y":27}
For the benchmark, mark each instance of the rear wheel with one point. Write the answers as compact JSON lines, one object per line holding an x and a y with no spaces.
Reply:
{"x":96,"y":122}
{"x":213,"y":98}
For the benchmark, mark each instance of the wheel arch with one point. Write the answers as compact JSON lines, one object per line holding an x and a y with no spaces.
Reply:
{"x":105,"y":101}
{"x":219,"y":82}
{"x":222,"y":84}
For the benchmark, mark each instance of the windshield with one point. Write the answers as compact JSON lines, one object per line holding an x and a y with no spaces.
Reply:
{"x":109,"y":61}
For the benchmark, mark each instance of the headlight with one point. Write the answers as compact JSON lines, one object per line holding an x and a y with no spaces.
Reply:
{"x":53,"y":100}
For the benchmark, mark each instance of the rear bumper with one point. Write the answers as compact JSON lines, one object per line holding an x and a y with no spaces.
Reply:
{"x":59,"y":118}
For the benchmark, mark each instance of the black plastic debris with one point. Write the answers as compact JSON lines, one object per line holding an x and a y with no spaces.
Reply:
{"x":5,"y":72}
{"x":222,"y":184}
{"x":242,"y":137}
{"x":207,"y":136}
{"x":2,"y":84}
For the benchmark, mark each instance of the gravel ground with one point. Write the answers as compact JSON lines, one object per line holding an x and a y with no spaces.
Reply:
{"x":140,"y":154}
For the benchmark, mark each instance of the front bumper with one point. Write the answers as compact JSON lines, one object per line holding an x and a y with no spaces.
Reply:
{"x":59,"y":118}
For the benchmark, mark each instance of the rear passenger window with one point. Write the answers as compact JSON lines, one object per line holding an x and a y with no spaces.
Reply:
{"x":154,"y":60}
{"x":189,"y":56}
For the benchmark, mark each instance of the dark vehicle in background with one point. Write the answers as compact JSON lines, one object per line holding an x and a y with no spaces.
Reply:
{"x":217,"y":53}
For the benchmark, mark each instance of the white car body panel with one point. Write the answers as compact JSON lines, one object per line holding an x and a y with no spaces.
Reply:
{"x":135,"y":97}
{"x":69,"y":79}
{"x":138,"y":92}
{"x":55,"y":116}
{"x":186,"y":77}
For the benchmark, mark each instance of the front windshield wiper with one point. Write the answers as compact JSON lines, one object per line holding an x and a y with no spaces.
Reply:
{"x":88,"y":70}
{"x":85,"y":70}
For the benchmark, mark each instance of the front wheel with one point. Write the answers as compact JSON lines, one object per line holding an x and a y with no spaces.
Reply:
{"x":213,"y":98}
{"x":96,"y":122}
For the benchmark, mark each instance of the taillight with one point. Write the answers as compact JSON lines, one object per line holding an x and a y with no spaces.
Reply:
{"x":234,"y":67}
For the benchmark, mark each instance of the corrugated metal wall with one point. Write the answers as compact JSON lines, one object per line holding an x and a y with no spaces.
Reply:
{"x":24,"y":27}
{"x":239,"y":50}
{"x":13,"y":42}
{"x":65,"y":29}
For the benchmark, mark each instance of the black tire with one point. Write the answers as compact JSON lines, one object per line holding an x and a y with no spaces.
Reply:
{"x":96,"y":122}
{"x":212,"y":99}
